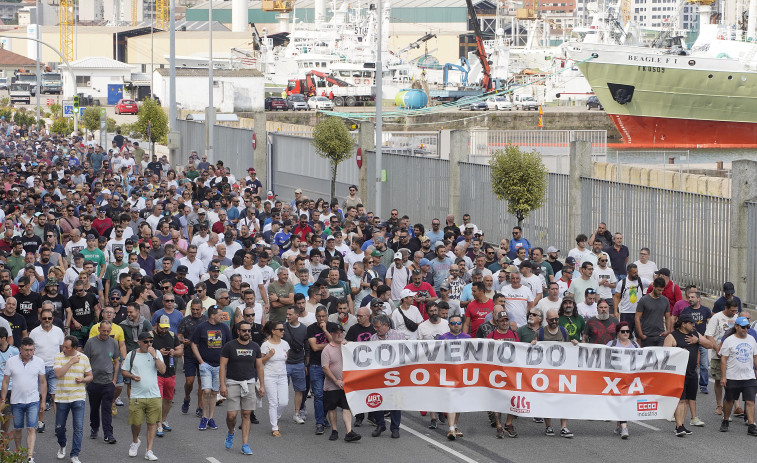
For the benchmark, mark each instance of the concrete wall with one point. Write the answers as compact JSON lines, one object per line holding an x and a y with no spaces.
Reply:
{"x":659,"y":178}
{"x":231,"y":94}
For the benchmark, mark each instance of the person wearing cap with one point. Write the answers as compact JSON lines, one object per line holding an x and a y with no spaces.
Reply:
{"x":738,"y":360}
{"x":142,"y":367}
{"x":672,"y":291}
{"x":717,"y":327}
{"x":169,"y":346}
{"x":685,"y":336}
{"x":208,"y":339}
{"x":729,"y":293}
{"x":407,"y":317}
{"x":333,"y":387}
{"x":214,"y":280}
{"x":51,"y":294}
{"x":397,"y":277}
{"x":254,"y":183}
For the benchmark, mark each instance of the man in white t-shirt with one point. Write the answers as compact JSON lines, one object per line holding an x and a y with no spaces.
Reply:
{"x":627,"y":295}
{"x":718,"y":325}
{"x":738,"y":357}
{"x":518,"y":299}
{"x":588,"y":307}
{"x":646,"y":267}
{"x":355,"y":255}
{"x":551,"y":302}
{"x":605,"y":279}
{"x":434,"y":326}
{"x":580,"y":253}
{"x":579,"y":285}
{"x":531,"y":281}
{"x":47,"y":341}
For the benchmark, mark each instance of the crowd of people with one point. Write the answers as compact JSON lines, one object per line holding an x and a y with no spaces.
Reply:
{"x":118,"y":269}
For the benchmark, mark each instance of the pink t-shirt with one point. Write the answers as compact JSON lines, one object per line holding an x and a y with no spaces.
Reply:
{"x":332,"y":357}
{"x":678,"y":307}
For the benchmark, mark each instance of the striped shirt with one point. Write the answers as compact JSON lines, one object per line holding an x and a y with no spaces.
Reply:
{"x":68,"y":389}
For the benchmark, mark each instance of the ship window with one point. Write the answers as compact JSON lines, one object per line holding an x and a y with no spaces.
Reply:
{"x":730,"y":77}
{"x":710,"y":76}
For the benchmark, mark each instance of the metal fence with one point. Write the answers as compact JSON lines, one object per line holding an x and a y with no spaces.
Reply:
{"x":412,"y":143}
{"x":751,"y":269}
{"x":295,"y":164}
{"x":687,"y":232}
{"x":233,"y":146}
{"x":553,"y":145}
{"x":547,"y":226}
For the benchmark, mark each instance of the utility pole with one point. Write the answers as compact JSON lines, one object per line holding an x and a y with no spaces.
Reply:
{"x":210,"y":119}
{"x":38,"y":20}
{"x":172,"y":77}
{"x":379,"y":108}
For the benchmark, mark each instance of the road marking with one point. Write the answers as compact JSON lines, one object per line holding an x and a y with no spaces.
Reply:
{"x":437,"y":444}
{"x":212,"y":460}
{"x":648,"y":426}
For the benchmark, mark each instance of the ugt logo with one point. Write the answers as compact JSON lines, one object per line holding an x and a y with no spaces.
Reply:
{"x":519,"y":404}
{"x":374,"y":400}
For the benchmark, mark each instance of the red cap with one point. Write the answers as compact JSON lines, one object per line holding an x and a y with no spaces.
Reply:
{"x":180,"y":288}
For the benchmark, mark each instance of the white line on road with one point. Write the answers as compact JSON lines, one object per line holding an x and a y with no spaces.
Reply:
{"x":437,"y":444}
{"x":648,"y":426}
{"x":212,"y":460}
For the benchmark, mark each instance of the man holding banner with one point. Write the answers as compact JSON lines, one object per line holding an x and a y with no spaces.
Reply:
{"x":455,"y":332}
{"x":384,"y":332}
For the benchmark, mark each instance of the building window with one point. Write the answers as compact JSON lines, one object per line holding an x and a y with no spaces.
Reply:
{"x":83,"y":81}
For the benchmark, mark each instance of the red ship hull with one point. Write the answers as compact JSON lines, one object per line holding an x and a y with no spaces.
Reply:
{"x":660,"y":132}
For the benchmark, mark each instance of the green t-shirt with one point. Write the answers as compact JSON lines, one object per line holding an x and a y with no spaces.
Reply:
{"x":15,"y":263}
{"x":112,"y":271}
{"x":278,"y":314}
{"x":96,"y":256}
{"x":192,"y":174}
{"x":526,"y":334}
{"x":574,"y":325}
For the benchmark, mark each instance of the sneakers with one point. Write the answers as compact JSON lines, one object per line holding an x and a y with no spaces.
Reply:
{"x":61,"y":453}
{"x":48,"y":406}
{"x":377,"y":432}
{"x":119,"y":402}
{"x":198,"y":412}
{"x":40,"y":427}
{"x":395,"y":433}
{"x":93,"y":434}
{"x":624,"y":433}
{"x":298,"y":419}
{"x":159,"y":432}
{"x":185,"y":407}
{"x":246,"y":450}
{"x":150,"y":456}
{"x":500,"y":432}
{"x":358,"y":422}
{"x":686,"y":430}
{"x":318,"y":429}
{"x":565,"y":432}
{"x":109,"y":440}
{"x":704,"y":390}
{"x":203,"y":424}
{"x":451,"y":435}
{"x":229,"y":441}
{"x":538,"y":420}
{"x":738,"y":412}
{"x":254,"y":419}
{"x":75,"y":460}
{"x":752,"y":429}
{"x":432,"y":425}
{"x":549,"y":431}
{"x":134,"y":448}
{"x":166,"y":427}
{"x":458,"y":433}
{"x":276,"y":433}
{"x":696,"y":422}
{"x":511,"y":432}
{"x":212,"y":424}
{"x":723,"y":426}
{"x":617,"y":430}
{"x":680,"y":431}
{"x":352,"y":436}
{"x":334,"y":435}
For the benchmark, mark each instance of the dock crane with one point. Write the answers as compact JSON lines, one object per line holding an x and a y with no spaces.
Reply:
{"x":486,"y":82}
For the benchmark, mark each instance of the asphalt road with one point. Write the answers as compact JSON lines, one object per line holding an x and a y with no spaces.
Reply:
{"x":594,"y":441}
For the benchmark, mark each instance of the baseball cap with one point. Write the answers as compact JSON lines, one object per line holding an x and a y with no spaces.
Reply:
{"x":424,"y":261}
{"x":397,"y":256}
{"x":330,"y":237}
{"x":145,"y":335}
{"x":52,"y":281}
{"x":728,"y":288}
{"x":741,"y":321}
{"x":687,"y":318}
{"x":78,"y":255}
{"x":180,"y":288}
{"x":298,"y":190}
{"x":332,"y":327}
{"x":376,"y":301}
{"x":570,"y":261}
{"x":116,"y":292}
{"x":214,"y":268}
{"x":438,"y":243}
{"x":251,"y":170}
{"x":182,"y":269}
{"x":444,"y":285}
{"x":134,"y":266}
{"x":91,"y":237}
{"x":379,"y":239}
{"x":406,"y":293}
{"x":552,"y":249}
{"x":164,"y":322}
{"x":377,"y":254}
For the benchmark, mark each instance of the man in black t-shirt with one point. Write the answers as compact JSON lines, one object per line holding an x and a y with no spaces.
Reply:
{"x":170,"y":347}
{"x":29,"y":303}
{"x":318,"y":338}
{"x":359,"y":332}
{"x":82,"y":313}
{"x":241,"y":364}
{"x":60,"y":303}
{"x":296,"y":334}
{"x":15,"y":320}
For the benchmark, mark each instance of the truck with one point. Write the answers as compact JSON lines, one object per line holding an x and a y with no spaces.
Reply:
{"x":525,"y":102}
{"x":26,"y":78}
{"x":317,"y":83}
{"x":20,"y":92}
{"x":51,"y":83}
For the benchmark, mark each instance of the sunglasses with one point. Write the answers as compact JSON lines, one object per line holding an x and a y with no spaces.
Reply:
{"x":249,"y":315}
{"x":455,"y":323}
{"x":247,"y":331}
{"x":146,"y":341}
{"x":553,"y":319}
{"x":625,"y":331}
{"x":168,"y":300}
{"x":46,"y":318}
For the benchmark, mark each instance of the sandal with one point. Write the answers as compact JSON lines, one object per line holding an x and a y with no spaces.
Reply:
{"x":719,"y":410}
{"x":500,"y":432}
{"x":276,"y":433}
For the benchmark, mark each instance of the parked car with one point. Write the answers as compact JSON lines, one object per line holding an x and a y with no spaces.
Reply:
{"x":275,"y":103}
{"x":593,"y":102}
{"x":127,"y":107}
{"x":297,"y":102}
{"x":499,"y":103}
{"x":320,"y":102}
{"x":3,"y":83}
{"x":525,"y":103}
{"x":472,"y":104}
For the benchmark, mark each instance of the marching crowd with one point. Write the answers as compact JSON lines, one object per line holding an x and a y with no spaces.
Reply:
{"x":118,"y":269}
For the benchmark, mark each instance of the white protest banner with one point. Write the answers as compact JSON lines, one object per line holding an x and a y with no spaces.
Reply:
{"x":552,"y":379}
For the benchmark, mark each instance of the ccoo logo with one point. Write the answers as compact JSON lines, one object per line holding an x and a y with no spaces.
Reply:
{"x":374,"y":400}
{"x":645,"y":406}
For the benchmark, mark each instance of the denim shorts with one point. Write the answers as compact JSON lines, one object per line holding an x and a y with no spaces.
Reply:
{"x":209,"y":378}
{"x":296,"y":372}
{"x":25,"y":414}
{"x":52,"y":380}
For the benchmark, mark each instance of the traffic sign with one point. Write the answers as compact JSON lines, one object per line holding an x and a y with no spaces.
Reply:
{"x":68,"y":111}
{"x":254,"y":140}
{"x":359,"y":158}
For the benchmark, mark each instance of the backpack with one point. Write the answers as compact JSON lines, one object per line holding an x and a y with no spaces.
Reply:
{"x":623,"y":287}
{"x":562,"y":330}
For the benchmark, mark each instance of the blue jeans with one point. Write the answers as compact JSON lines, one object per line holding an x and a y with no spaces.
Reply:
{"x":77,"y":417}
{"x":25,"y":415}
{"x":394,"y":415}
{"x":704,"y":367}
{"x":316,"y":385}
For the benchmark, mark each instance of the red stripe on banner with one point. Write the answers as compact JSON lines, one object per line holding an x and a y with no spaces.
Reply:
{"x":536,"y":380}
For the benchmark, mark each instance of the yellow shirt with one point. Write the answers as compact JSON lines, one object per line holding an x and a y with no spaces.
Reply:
{"x":68,"y":389}
{"x":116,"y":332}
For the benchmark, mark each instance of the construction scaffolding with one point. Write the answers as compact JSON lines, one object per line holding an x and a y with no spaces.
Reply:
{"x":162,"y":12}
{"x":67,"y":20}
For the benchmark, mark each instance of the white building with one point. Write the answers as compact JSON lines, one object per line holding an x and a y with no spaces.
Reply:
{"x":100,"y":77}
{"x":233,"y":90}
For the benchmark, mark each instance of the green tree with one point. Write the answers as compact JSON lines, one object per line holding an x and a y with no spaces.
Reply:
{"x":55,"y":108}
{"x":62,"y":126}
{"x":520,"y":178}
{"x":91,"y":119}
{"x":151,"y":111}
{"x":333,"y":141}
